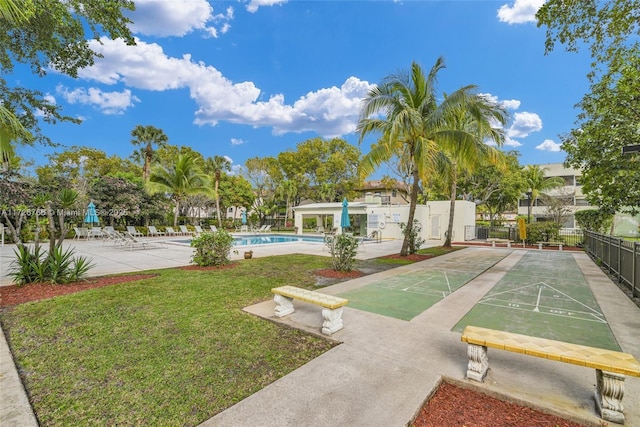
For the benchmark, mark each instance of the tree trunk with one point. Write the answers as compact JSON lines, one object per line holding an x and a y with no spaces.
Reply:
{"x":452,"y":207}
{"x":412,"y":211}
{"x":175,"y":214}
{"x":218,"y":205}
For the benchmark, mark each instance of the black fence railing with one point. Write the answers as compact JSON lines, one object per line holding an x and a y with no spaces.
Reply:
{"x":568,"y":236}
{"x":620,"y":257}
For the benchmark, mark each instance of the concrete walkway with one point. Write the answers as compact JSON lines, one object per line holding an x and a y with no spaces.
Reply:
{"x":385,"y":368}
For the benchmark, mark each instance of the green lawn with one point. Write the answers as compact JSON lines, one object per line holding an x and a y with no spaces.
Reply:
{"x":172,"y":350}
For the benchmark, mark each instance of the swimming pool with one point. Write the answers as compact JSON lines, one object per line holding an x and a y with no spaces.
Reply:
{"x":270,"y":239}
{"x":265,"y":239}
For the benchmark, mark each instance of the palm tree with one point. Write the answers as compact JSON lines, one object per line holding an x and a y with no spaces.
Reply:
{"x":146,"y":137}
{"x":288,"y":190}
{"x":216,"y":165}
{"x":537,"y":183}
{"x":463,"y":146}
{"x":182,"y":179}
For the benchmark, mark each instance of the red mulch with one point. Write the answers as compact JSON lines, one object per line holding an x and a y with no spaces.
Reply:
{"x":14,"y":295}
{"x":453,"y":406}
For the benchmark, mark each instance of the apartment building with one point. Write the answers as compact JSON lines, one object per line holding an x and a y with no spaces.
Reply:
{"x":564,"y":202}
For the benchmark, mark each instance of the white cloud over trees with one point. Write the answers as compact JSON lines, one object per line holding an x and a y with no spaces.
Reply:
{"x":521,"y":12}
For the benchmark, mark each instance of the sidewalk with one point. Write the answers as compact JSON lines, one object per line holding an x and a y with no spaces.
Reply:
{"x":385,"y":368}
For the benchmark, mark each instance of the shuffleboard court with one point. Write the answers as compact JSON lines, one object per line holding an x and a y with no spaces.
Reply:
{"x":544,"y":295}
{"x":406,"y":295}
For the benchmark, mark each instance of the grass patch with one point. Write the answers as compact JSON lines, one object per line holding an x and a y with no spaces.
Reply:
{"x":439,"y":250}
{"x":171,"y":350}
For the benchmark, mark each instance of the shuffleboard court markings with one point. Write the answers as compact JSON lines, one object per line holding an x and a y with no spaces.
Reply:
{"x":530,"y":297}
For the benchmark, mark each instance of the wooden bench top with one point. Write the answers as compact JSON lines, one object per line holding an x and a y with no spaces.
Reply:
{"x":328,"y":301}
{"x":606,"y":360}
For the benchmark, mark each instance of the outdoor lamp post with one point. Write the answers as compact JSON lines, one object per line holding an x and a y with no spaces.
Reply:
{"x":529,"y":194}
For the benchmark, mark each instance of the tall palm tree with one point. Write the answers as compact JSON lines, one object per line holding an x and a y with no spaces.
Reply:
{"x":146,"y":137}
{"x":182,"y":179}
{"x":288,"y":190}
{"x":216,"y":165}
{"x":537,"y":182}
{"x":475,"y":121}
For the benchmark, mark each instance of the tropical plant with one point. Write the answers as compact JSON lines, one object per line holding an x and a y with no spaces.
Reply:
{"x":212,"y":249}
{"x":415,"y":241}
{"x":182,"y":179}
{"x":56,"y":266}
{"x":216,"y":165}
{"x":598,"y":220}
{"x":538,"y":183}
{"x":146,"y":137}
{"x":420,"y":132}
{"x":343,"y":249}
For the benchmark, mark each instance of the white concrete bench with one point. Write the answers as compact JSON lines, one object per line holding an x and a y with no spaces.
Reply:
{"x":611,"y":366}
{"x":494,"y":241}
{"x":558,"y":244}
{"x":331,"y":305}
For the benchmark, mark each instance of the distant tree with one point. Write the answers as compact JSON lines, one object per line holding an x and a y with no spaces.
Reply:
{"x":287,"y":190}
{"x":538,"y":183}
{"x":236,"y":191}
{"x":52,"y":34}
{"x":146,"y":137}
{"x":180,"y":179}
{"x":116,"y":198}
{"x":216,"y":165}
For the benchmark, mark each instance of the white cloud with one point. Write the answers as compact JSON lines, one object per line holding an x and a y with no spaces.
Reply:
{"x":236,"y":141}
{"x":329,"y":112}
{"x":523,"y":124}
{"x":178,"y":17}
{"x":549,"y":145}
{"x":521,"y":12}
{"x":253,"y":5}
{"x":509,"y":104}
{"x":511,"y":142}
{"x":108,"y":102}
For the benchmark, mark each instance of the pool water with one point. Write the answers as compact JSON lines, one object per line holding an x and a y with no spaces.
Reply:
{"x":266,"y":239}
{"x":269,"y":239}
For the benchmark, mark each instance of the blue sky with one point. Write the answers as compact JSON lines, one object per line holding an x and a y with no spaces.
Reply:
{"x":254,"y":78}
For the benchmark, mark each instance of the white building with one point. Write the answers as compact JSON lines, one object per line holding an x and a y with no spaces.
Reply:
{"x":386,"y":219}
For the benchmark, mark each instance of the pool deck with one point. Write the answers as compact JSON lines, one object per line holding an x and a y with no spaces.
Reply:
{"x":110,"y":259}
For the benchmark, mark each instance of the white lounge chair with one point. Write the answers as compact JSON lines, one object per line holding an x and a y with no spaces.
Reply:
{"x":213,"y":228}
{"x":198,"y":229}
{"x":265,"y":229}
{"x":95,"y":233}
{"x":171,"y":232}
{"x":185,"y":231}
{"x":153,"y":232}
{"x":132,"y":230}
{"x":261,"y":229}
{"x":81,"y":233}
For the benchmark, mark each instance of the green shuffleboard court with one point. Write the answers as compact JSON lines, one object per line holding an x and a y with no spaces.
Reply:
{"x":406,"y":295}
{"x":544,"y":295}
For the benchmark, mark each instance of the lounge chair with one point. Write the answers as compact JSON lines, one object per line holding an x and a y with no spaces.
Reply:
{"x":266,"y":229}
{"x":110,"y":235}
{"x":81,"y":233}
{"x":244,"y":229}
{"x":171,"y":232}
{"x":261,"y":229}
{"x":153,"y":232}
{"x":198,"y":229}
{"x":213,"y":228}
{"x":132,"y":230}
{"x":185,"y":231}
{"x":94,"y":233}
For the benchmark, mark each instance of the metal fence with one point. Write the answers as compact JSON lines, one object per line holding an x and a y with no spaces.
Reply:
{"x":621,"y":257}
{"x":568,"y":236}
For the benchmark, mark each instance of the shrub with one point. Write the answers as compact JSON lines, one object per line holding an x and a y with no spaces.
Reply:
{"x":547,"y":231}
{"x":415,"y":241}
{"x":57,"y":266}
{"x":212,"y":249}
{"x":343,"y":249}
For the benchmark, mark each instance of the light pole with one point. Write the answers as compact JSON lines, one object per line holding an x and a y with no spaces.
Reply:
{"x":529,"y":194}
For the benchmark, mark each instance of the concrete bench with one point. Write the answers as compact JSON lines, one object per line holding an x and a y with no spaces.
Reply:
{"x":611,"y":366}
{"x":331,"y":305}
{"x":558,"y":244}
{"x":494,"y":241}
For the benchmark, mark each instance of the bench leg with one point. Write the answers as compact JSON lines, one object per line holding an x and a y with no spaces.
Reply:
{"x":478,"y":362}
{"x":332,"y":320}
{"x":608,"y":394}
{"x":540,"y":246}
{"x":559,"y":247}
{"x":508,"y":244}
{"x":284,"y":305}
{"x":493,"y":244}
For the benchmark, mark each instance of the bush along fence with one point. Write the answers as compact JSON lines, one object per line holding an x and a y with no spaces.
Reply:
{"x":620,"y":257}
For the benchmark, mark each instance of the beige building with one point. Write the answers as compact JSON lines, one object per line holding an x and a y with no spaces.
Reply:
{"x":375,"y":191}
{"x":567,"y":198}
